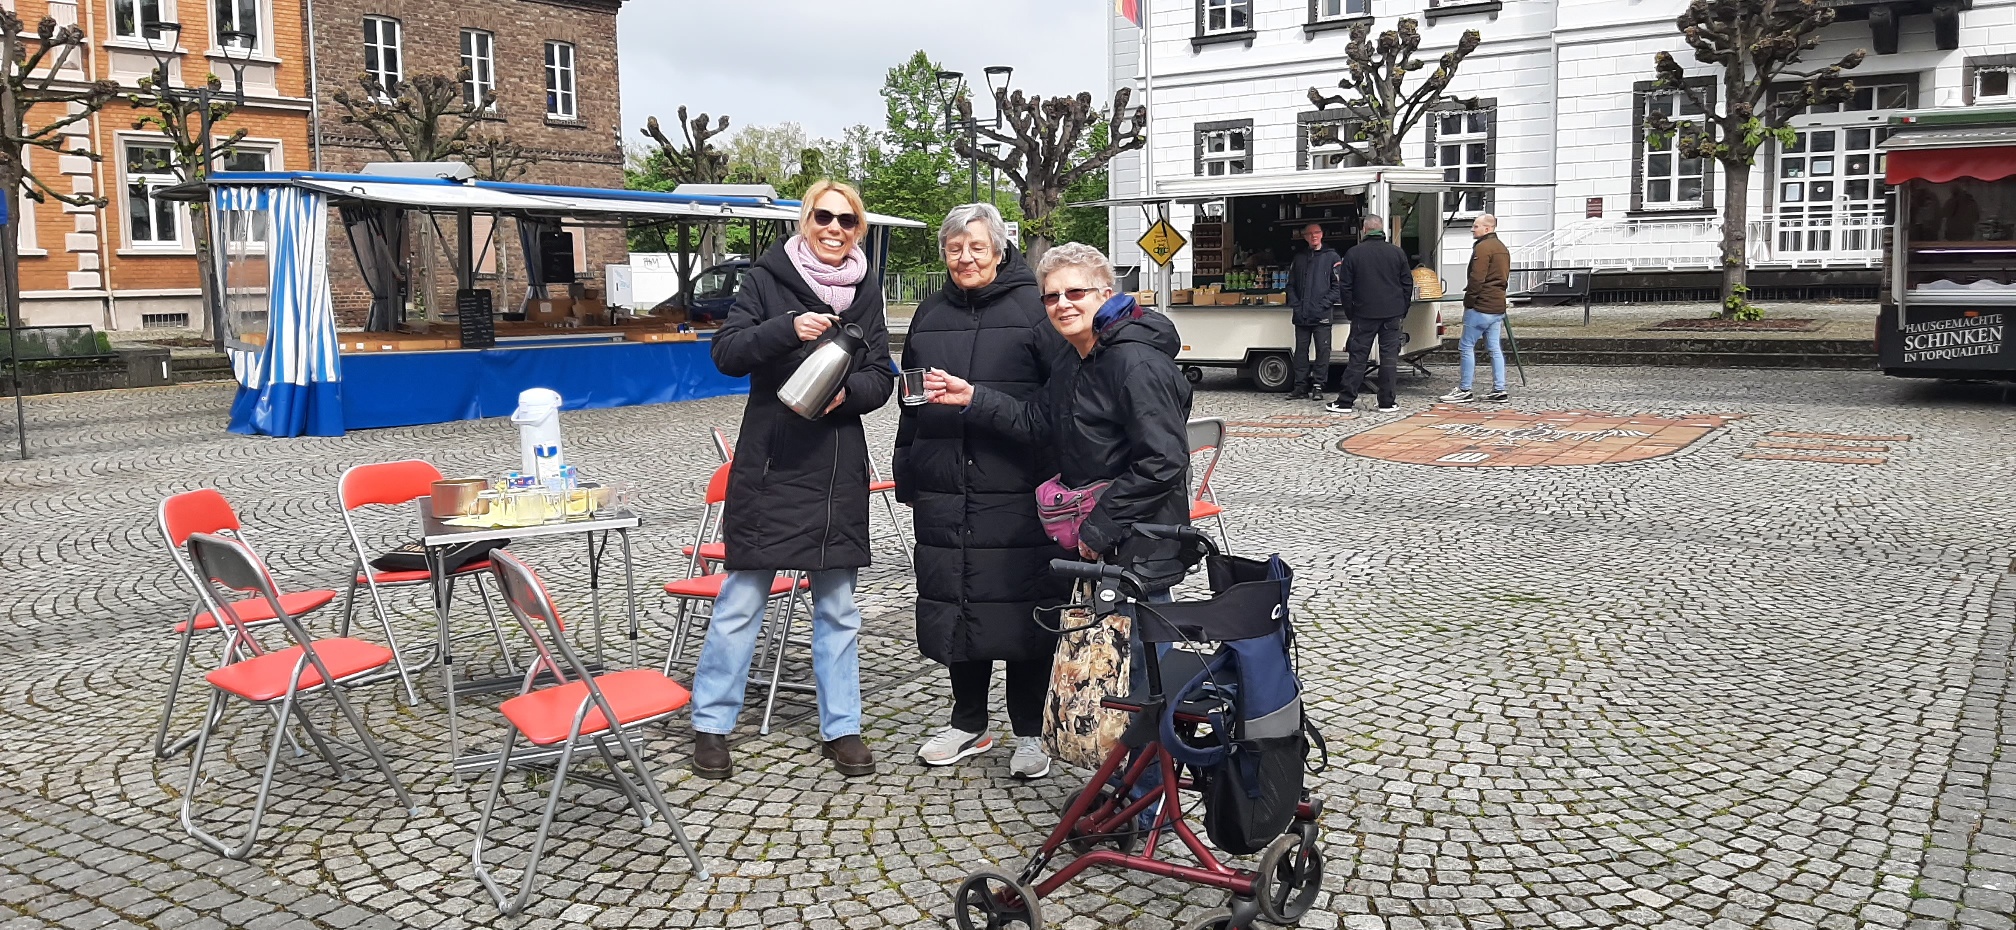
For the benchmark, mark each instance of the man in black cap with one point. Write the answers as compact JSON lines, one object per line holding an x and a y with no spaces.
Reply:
{"x":1377,"y":282}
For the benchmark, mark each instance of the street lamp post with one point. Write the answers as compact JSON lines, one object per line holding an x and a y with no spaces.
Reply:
{"x":163,"y":43}
{"x":993,"y":193}
{"x":951,"y":85}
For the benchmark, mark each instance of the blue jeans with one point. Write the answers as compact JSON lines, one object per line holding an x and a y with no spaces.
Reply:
{"x":722,"y":677}
{"x":1488,"y":326}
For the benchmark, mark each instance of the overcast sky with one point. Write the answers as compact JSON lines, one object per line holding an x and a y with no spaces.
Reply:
{"x":821,"y":64}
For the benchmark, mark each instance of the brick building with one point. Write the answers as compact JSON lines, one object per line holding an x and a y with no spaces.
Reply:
{"x":132,"y":262}
{"x":552,"y":66}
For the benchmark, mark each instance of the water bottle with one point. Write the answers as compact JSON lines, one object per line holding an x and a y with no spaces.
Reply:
{"x":546,"y":467}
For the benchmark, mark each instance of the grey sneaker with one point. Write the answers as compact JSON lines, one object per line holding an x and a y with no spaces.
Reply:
{"x":1029,"y":761}
{"x":1497,"y":397}
{"x":1458,"y":396}
{"x":952,"y":745}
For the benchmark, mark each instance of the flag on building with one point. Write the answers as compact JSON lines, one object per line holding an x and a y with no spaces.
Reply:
{"x":1130,"y":9}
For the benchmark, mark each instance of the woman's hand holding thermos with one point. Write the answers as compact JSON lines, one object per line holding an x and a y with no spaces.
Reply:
{"x":811,"y":326}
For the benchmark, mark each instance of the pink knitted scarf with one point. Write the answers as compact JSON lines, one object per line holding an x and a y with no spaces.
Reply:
{"x":835,"y":286}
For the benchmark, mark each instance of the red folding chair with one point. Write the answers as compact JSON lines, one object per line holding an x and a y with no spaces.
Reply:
{"x":283,"y":678}
{"x":206,"y":511}
{"x":707,"y":550}
{"x":577,"y":710}
{"x":886,"y":490}
{"x":1207,"y":437}
{"x":392,"y":484}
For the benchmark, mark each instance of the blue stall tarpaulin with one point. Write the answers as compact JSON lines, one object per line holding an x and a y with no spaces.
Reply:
{"x":378,"y":388}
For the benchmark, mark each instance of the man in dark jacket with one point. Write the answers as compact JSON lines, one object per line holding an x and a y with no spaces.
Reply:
{"x":1378,"y":285}
{"x":983,"y":559}
{"x":798,"y":489}
{"x":1483,"y":312}
{"x":1313,"y":289}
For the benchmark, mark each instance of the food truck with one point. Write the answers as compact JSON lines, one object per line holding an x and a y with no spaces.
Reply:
{"x":1234,"y":313}
{"x":1949,"y":290}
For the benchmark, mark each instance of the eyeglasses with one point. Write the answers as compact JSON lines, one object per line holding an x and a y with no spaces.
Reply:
{"x":848,"y":221}
{"x":978,"y":253}
{"x":1070,"y":295}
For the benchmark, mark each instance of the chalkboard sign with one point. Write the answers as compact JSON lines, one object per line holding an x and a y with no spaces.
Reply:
{"x":479,"y":327}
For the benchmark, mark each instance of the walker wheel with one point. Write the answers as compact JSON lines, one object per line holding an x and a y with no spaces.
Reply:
{"x":1220,"y":919}
{"x":990,"y":900}
{"x":1289,"y":876}
{"x":1126,"y":840}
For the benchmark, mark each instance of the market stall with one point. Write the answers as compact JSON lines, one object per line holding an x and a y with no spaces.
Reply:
{"x":299,"y":376}
{"x":1951,"y":265}
{"x":1233,"y":312}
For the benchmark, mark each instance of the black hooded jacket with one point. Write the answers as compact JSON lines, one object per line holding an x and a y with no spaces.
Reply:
{"x":1119,"y":414}
{"x":983,"y":560}
{"x":1313,"y":285}
{"x":798,"y":491}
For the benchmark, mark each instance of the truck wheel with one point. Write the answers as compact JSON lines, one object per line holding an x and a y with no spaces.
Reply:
{"x":1193,"y":374}
{"x":1272,"y":373}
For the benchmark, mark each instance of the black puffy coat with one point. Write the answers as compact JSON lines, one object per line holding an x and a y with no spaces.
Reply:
{"x":798,"y":491}
{"x":1119,"y":414}
{"x":983,"y":560}
{"x":1377,"y":280}
{"x":1313,"y":285}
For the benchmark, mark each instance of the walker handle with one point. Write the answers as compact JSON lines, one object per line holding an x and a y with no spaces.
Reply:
{"x":1094,"y":571}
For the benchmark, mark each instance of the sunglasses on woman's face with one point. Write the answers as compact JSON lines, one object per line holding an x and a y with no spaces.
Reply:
{"x":1071,"y":295}
{"x":847,"y":221}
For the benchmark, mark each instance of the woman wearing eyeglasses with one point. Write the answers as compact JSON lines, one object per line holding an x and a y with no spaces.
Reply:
{"x":982,"y":556}
{"x":1116,"y":409}
{"x":798,"y":490}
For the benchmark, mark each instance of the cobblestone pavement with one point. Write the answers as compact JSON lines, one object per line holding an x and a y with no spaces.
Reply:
{"x":1700,"y":691}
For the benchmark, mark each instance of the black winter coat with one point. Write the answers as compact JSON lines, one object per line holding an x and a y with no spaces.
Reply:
{"x":1313,"y":287}
{"x":983,"y":560}
{"x":1119,"y":414}
{"x":1377,"y":279}
{"x":798,"y":491}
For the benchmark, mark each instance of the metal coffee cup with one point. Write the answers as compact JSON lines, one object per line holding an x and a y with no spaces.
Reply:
{"x":456,"y":497}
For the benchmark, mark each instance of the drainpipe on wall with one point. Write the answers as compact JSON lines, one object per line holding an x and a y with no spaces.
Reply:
{"x":314,"y":91}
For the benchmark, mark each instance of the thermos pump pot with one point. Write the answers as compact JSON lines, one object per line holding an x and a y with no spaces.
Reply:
{"x":821,"y":375}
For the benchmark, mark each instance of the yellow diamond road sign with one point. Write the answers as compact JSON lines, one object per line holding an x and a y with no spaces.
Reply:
{"x":1162,"y":242}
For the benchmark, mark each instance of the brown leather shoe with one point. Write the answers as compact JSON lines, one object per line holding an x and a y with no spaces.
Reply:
{"x":850,"y":756}
{"x":710,"y":756}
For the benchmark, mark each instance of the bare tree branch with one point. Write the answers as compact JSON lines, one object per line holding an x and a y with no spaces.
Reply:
{"x":1042,"y":148}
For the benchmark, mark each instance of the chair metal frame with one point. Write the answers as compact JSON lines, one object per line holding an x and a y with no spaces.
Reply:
{"x":370,"y":576}
{"x":232,"y":565}
{"x":526,"y":598}
{"x":230,"y":525}
{"x":887,"y":491}
{"x":1207,"y":434}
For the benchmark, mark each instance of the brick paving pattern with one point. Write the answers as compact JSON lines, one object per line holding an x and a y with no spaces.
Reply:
{"x":1696,"y":691}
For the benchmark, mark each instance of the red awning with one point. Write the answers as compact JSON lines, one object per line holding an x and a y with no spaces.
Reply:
{"x":1984,"y":163}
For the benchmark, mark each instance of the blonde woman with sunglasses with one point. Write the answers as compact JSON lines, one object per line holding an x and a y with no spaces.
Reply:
{"x":798,"y":490}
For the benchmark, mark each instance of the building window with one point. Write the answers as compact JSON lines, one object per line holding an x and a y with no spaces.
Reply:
{"x":240,"y":16}
{"x":25,"y":241}
{"x":1667,"y":180}
{"x":1875,"y":95}
{"x":131,"y":19}
{"x":1460,"y":143}
{"x":560,"y":81}
{"x":1216,"y":17}
{"x":1327,"y":142}
{"x":383,"y":61}
{"x":479,"y":58}
{"x":1991,"y":84}
{"x":1323,"y":11}
{"x":151,"y":221}
{"x":1223,"y":148}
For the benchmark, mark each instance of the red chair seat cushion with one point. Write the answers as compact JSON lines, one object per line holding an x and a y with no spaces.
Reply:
{"x":1202,"y":509}
{"x":257,"y":610}
{"x":545,"y":715}
{"x":709,"y":552}
{"x":709,"y":586}
{"x":877,"y":487}
{"x":264,"y":678}
{"x":416,"y":576}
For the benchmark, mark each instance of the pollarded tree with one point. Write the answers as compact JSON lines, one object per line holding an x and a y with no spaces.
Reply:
{"x":1755,"y":47}
{"x":40,"y":107}
{"x":1376,"y":100}
{"x":1043,"y":152}
{"x":179,"y":119}
{"x":693,"y":161}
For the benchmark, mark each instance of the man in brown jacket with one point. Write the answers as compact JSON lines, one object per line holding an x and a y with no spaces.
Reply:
{"x":1483,"y":311}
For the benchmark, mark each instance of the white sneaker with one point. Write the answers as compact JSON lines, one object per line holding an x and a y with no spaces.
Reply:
{"x":1459,"y":396}
{"x":1029,"y":761}
{"x":952,"y":745}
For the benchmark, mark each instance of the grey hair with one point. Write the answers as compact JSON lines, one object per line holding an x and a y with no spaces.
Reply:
{"x":1373,"y":224}
{"x":1075,"y":255}
{"x":966,"y":215}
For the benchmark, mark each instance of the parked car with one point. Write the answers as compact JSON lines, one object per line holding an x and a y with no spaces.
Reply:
{"x":714,"y":292}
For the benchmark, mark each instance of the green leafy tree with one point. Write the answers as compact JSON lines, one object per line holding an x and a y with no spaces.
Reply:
{"x":1755,"y":47}
{"x":910,"y":174}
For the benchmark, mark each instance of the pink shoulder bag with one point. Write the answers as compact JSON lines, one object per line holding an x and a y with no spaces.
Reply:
{"x":1063,"y":509}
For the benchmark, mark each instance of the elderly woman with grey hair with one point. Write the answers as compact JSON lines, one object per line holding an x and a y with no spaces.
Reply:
{"x":982,"y":556}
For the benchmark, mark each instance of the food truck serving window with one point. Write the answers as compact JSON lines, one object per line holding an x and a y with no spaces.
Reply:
{"x":1961,"y":236}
